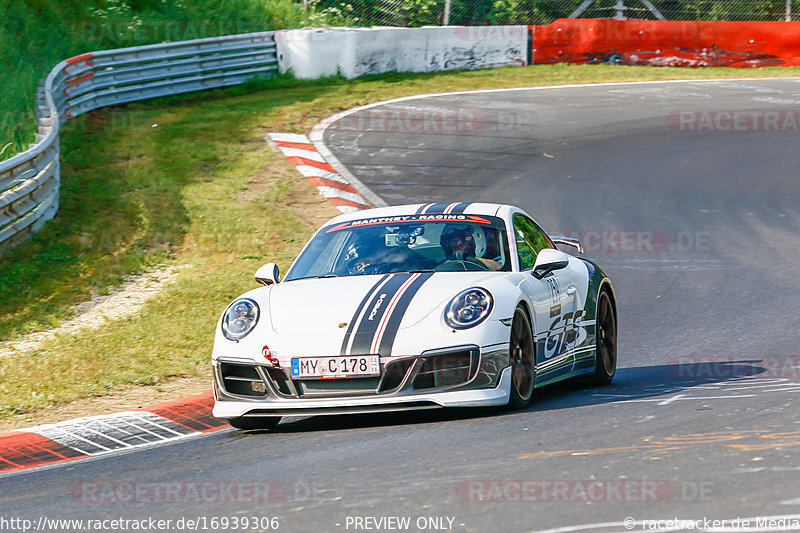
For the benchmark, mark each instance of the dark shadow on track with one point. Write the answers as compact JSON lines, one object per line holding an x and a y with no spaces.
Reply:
{"x":632,"y":383}
{"x":650,"y":381}
{"x":400,"y":418}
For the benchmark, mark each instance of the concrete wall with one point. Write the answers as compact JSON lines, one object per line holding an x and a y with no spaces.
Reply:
{"x":354,"y":52}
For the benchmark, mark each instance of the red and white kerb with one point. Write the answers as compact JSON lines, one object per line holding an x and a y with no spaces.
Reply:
{"x":302,"y":153}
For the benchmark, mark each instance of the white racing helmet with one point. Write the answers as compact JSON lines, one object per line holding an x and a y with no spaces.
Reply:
{"x":463,"y":240}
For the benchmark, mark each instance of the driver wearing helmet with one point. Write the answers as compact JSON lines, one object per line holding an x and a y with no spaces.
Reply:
{"x":466,"y":243}
{"x":362,"y":257}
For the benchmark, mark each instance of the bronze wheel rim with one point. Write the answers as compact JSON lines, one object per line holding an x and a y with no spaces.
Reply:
{"x":521,"y":356}
{"x":606,"y":334}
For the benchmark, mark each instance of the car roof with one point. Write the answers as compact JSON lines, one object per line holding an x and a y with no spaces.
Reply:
{"x":469,"y":208}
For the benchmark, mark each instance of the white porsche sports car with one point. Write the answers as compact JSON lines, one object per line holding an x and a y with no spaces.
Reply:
{"x":414,"y":307}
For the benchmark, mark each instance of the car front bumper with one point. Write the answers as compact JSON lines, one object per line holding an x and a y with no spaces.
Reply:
{"x":465,"y":376}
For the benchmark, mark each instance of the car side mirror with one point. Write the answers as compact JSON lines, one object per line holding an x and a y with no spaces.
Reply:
{"x":562,"y":240}
{"x":549,"y":260}
{"x":267,"y":274}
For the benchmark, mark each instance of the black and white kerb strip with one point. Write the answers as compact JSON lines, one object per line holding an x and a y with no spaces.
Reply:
{"x":374,"y":325}
{"x":455,"y":208}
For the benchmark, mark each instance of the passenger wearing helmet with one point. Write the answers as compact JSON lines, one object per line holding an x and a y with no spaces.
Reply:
{"x":467,"y":243}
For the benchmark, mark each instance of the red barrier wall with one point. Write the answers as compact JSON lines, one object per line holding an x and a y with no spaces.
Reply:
{"x":667,"y":43}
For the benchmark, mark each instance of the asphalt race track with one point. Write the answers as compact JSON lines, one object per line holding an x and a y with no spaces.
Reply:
{"x":687,"y":194}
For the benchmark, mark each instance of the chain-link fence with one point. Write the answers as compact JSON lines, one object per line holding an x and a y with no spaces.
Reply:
{"x":491,"y":12}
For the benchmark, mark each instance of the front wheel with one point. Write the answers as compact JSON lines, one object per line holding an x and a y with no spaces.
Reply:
{"x":260,"y":422}
{"x":522,"y":355}
{"x":606,"y":340}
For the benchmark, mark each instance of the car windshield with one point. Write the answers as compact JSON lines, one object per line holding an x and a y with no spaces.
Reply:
{"x":412,"y":243}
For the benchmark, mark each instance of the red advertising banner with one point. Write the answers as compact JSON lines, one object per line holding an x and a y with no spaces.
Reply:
{"x":667,"y":43}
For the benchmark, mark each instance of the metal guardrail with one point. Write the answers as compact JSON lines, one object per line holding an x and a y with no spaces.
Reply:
{"x":30,"y":181}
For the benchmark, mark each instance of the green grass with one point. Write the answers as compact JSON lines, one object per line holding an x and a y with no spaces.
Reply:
{"x":161,"y":183}
{"x":36,"y":34}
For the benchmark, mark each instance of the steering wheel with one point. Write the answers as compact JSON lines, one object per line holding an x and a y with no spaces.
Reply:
{"x":451,"y":265}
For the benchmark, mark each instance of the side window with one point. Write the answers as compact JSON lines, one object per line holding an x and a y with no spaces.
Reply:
{"x":530,"y":240}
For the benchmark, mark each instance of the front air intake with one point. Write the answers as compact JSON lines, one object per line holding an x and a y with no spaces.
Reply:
{"x":242,"y":380}
{"x":446,"y":369}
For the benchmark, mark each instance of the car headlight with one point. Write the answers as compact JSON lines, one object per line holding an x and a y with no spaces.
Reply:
{"x":239,"y":319}
{"x":469,"y":308}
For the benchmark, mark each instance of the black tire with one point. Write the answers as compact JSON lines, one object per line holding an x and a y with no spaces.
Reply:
{"x":605,"y":340}
{"x":260,"y":422}
{"x":522,"y":352}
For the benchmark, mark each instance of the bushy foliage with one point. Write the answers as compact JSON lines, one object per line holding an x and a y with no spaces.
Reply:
{"x":37,"y":34}
{"x":480,"y":12}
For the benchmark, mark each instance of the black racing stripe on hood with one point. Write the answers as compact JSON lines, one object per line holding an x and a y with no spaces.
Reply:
{"x":353,"y":320}
{"x":375,"y":309}
{"x":422,"y":208}
{"x":399,"y":312}
{"x":436,"y":209}
{"x":460,"y":208}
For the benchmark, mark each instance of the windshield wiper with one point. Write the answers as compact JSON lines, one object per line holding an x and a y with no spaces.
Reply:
{"x":316,"y":277}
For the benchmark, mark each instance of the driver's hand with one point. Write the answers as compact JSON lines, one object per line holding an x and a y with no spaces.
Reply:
{"x":489,"y":263}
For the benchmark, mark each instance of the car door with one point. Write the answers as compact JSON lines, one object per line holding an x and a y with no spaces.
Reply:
{"x":553,"y":299}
